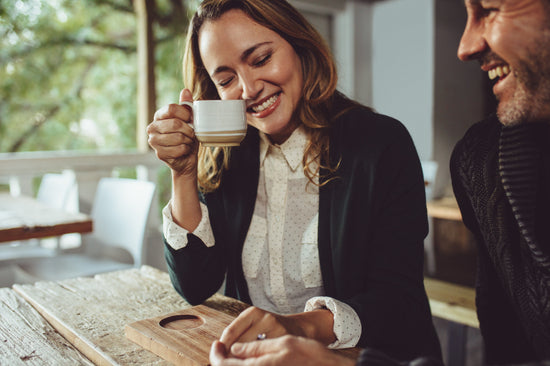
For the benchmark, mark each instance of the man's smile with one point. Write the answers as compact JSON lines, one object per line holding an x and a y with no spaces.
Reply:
{"x":499,"y":71}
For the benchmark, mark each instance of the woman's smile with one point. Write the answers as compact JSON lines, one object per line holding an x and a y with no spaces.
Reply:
{"x":265,"y":107}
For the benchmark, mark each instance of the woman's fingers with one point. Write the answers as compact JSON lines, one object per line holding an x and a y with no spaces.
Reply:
{"x":257,"y":348}
{"x":173,"y":111}
{"x":252,"y":323}
{"x":170,"y":125}
{"x":172,"y":136}
{"x":238,"y":327}
{"x":168,"y":139}
{"x":217,"y":353}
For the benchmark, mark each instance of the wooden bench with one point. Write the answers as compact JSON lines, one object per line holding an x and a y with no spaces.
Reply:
{"x":455,"y":303}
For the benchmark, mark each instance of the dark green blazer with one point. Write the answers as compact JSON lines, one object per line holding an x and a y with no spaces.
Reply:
{"x":372,"y":223}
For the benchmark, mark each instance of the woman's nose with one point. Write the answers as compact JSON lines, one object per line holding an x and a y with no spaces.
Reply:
{"x":472,"y":44}
{"x":251,"y":86}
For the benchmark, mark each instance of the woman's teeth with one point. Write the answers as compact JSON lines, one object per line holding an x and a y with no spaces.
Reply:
{"x":499,"y":71}
{"x":265,"y":105}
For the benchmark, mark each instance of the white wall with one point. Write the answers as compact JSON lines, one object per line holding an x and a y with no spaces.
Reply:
{"x":403,"y":66}
{"x":347,"y":26}
{"x":352,"y":46}
{"x":399,"y":56}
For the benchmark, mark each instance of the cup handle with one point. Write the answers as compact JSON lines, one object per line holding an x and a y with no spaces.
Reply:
{"x":190,"y":105}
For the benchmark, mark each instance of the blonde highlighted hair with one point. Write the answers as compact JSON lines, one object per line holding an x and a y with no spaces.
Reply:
{"x":315,"y":111}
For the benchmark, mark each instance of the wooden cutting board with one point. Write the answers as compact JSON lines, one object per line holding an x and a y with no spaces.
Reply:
{"x":183,"y":337}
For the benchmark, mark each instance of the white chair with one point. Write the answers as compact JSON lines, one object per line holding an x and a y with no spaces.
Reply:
{"x":55,"y":189}
{"x":120,"y":213}
{"x":60,"y":191}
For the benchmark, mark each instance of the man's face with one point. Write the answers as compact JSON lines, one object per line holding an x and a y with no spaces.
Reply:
{"x":511,"y":40}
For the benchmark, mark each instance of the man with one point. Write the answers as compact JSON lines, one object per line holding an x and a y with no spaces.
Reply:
{"x":501,"y":177}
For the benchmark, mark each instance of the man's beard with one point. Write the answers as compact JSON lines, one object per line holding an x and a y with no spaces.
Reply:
{"x":531,"y":99}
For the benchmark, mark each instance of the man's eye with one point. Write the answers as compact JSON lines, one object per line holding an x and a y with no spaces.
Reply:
{"x":485,"y":12}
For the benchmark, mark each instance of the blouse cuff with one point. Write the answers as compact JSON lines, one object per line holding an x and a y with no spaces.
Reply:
{"x":176,"y":236}
{"x":347,"y":325}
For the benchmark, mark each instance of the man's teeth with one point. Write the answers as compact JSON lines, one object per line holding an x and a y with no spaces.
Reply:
{"x":499,"y":71}
{"x":265,"y":105}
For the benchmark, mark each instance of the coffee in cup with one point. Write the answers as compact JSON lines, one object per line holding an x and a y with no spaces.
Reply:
{"x":219,"y":122}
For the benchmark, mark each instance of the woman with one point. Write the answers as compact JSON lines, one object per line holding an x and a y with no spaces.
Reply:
{"x":321,"y":208}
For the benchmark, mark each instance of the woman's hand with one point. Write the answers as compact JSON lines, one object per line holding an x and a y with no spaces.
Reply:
{"x":253,"y":321}
{"x":173,"y":139}
{"x":283,"y":351}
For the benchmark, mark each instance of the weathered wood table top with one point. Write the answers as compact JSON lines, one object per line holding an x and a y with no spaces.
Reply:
{"x":23,"y":218}
{"x":28,"y":339}
{"x":91,"y":313}
{"x":86,"y":318}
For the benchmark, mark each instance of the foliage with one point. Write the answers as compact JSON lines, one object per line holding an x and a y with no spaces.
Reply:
{"x":68,"y":71}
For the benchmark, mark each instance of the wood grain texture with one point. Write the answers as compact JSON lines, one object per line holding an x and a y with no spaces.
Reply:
{"x":92,"y":313}
{"x":183,"y":337}
{"x":27,"y":339}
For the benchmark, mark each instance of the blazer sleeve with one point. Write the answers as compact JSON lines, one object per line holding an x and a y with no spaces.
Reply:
{"x":378,"y":223}
{"x":196,"y":271}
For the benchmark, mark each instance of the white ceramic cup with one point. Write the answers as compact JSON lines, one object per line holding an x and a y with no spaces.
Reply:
{"x":219,"y":122}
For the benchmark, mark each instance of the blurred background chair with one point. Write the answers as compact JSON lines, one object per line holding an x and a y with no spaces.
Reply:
{"x":55,"y":189}
{"x":60,"y":191}
{"x":120,"y":211}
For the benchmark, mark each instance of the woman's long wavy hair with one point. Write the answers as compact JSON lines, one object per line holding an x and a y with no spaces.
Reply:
{"x":320,"y":103}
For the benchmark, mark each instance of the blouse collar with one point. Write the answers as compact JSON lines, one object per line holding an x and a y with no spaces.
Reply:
{"x":292,"y":149}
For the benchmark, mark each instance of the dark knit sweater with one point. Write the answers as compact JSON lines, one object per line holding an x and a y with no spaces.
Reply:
{"x":501,"y":179}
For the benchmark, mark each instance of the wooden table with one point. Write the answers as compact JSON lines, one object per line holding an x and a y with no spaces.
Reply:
{"x":23,"y":218}
{"x":86,"y":318}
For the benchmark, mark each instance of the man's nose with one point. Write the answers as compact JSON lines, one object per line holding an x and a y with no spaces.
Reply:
{"x":472,"y":44}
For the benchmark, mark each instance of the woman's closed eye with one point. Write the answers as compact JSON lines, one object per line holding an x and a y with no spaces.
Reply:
{"x":225,"y":82}
{"x":262,"y":60}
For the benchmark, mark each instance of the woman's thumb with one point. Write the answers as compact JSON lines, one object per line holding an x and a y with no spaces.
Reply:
{"x":186,"y":96}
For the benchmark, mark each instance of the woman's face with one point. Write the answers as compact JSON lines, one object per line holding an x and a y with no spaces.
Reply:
{"x":248,"y":61}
